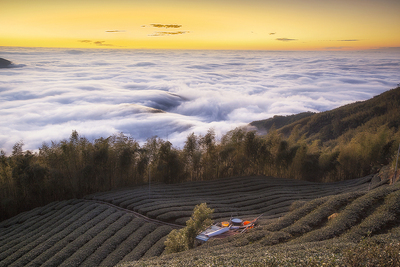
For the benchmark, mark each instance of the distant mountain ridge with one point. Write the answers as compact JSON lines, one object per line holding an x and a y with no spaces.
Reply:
{"x":4,"y":63}
{"x":383,"y":109}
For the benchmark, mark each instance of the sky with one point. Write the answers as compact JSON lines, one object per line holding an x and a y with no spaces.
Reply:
{"x":202,"y":24}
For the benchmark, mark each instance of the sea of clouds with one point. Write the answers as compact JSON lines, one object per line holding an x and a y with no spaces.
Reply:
{"x":48,"y":93}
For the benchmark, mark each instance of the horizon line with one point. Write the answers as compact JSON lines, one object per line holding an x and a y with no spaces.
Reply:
{"x":210,"y":49}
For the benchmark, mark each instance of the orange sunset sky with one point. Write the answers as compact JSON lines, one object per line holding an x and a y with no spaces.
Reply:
{"x":202,"y":24}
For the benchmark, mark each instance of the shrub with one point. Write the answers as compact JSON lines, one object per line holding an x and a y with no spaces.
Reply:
{"x":176,"y":241}
{"x":180,"y":240}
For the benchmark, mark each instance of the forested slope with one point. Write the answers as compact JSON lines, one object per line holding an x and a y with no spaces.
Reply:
{"x":383,"y":109}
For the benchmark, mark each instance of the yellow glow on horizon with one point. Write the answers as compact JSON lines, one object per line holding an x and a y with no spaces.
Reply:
{"x":219,"y":24}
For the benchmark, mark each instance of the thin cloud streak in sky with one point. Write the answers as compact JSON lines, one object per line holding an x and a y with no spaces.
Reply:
{"x":171,"y":94}
{"x":167,"y":33}
{"x":97,"y":43}
{"x":349,"y":40}
{"x":285,"y":39}
{"x":167,"y":26}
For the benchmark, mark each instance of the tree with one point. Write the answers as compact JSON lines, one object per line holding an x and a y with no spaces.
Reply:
{"x":169,"y":165}
{"x":192,"y":155}
{"x":232,"y":158}
{"x":210,"y":156}
{"x":183,"y":239}
{"x":200,"y":220}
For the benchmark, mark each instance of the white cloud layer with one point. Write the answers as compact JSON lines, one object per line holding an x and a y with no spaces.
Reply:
{"x":142,"y":93}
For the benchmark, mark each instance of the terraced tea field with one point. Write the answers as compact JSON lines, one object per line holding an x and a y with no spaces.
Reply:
{"x":109,"y":228}
{"x":78,"y":233}
{"x":242,"y":197}
{"x":349,"y":229}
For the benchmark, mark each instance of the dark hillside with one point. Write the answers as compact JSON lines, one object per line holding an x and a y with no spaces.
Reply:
{"x":281,"y":121}
{"x":383,"y":109}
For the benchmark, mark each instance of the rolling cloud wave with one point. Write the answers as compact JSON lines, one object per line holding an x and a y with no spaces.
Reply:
{"x":143,"y":93}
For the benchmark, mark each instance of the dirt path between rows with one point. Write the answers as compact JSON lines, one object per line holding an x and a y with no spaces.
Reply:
{"x":136,"y":214}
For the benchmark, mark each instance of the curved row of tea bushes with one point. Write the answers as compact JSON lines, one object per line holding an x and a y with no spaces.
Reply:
{"x":111,"y":244}
{"x":385,"y":216}
{"x":63,"y":249}
{"x":11,"y":245}
{"x":49,"y":240}
{"x":355,"y":215}
{"x":78,"y":233}
{"x":351,"y":215}
{"x":239,"y":196}
{"x":96,"y":241}
{"x":147,"y":242}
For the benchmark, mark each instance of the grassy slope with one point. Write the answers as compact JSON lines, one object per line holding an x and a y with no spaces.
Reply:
{"x":305,"y":236}
{"x":380,"y":110}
